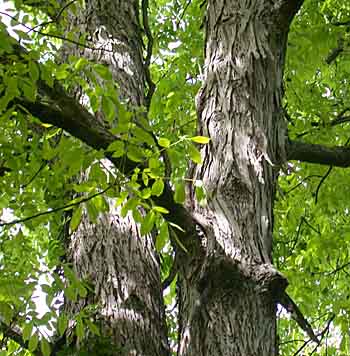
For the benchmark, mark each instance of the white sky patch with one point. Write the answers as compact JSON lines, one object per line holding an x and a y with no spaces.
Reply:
{"x":174,"y":45}
{"x":6,"y":7}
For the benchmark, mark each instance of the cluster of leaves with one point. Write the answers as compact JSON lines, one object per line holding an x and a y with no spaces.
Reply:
{"x":312,"y":239}
{"x":40,"y":182}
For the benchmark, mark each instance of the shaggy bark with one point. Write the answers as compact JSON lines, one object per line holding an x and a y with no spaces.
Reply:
{"x":110,"y":253}
{"x":229,"y":287}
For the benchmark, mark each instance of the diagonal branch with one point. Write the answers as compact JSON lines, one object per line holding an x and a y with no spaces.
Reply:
{"x":338,"y":156}
{"x":14,"y":334}
{"x":287,"y":302}
{"x":61,"y":110}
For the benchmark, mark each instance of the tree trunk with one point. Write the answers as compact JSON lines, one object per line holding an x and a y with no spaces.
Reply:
{"x":110,"y":253}
{"x":229,"y":287}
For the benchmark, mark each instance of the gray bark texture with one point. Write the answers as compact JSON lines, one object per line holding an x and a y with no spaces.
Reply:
{"x":122,"y":266}
{"x":227,"y":285}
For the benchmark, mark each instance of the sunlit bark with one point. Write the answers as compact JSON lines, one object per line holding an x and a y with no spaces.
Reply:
{"x":229,"y":293}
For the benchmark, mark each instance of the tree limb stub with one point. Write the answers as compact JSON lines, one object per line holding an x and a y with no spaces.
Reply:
{"x":287,"y":9}
{"x":287,"y":302}
{"x":314,"y":153}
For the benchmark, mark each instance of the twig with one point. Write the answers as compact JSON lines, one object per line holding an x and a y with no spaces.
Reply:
{"x":322,"y":333}
{"x":183,"y":12}
{"x":146,"y":27}
{"x":303,"y":180}
{"x":62,"y":38}
{"x":321,"y":182}
{"x":56,"y":17}
{"x":43,"y":165}
{"x":47,"y":212}
{"x":335,"y":52}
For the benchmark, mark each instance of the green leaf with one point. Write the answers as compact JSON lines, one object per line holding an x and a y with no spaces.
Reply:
{"x":108,"y":108}
{"x":160,"y":209}
{"x":92,"y":210}
{"x":178,"y":241}
{"x":71,"y":293}
{"x":163,"y":236}
{"x":194,"y":154}
{"x":158,"y":187}
{"x":117,"y":147}
{"x":79,"y":329}
{"x":180,"y":193}
{"x":137,"y":215}
{"x":200,"y":139}
{"x":176,"y":226}
{"x":45,"y":347}
{"x":131,"y":204}
{"x":80,"y":64}
{"x":103,"y":71}
{"x":33,"y":71}
{"x":145,"y":178}
{"x":143,"y":136}
{"x":200,"y":194}
{"x":27,"y":331}
{"x":135,"y":154}
{"x":148,"y":223}
{"x":146,"y":193}
{"x":163,"y":142}
{"x":33,"y":342}
{"x":153,"y":163}
{"x":62,"y":323}
{"x":93,"y":327}
{"x":76,"y":218}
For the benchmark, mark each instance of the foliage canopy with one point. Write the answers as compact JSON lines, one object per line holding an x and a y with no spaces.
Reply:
{"x":38,"y":163}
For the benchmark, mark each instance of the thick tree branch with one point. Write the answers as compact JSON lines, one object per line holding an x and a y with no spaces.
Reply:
{"x":314,"y":153}
{"x":287,"y":9}
{"x":287,"y":302}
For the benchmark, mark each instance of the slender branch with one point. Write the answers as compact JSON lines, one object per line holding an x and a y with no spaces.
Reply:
{"x":341,"y":23}
{"x":302,"y":182}
{"x":55,"y":210}
{"x":62,"y":38}
{"x":335,"y":52}
{"x":313,"y":153}
{"x":55,"y":18}
{"x":14,"y":334}
{"x":323,"y":333}
{"x":334,"y":271}
{"x":42,"y":166}
{"x":151,"y":85}
{"x":321,"y":182}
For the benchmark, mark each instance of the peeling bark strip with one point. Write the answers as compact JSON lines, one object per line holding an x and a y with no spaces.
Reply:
{"x":231,"y":310}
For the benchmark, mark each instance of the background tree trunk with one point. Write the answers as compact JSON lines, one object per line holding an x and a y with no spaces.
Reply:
{"x":122,"y":266}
